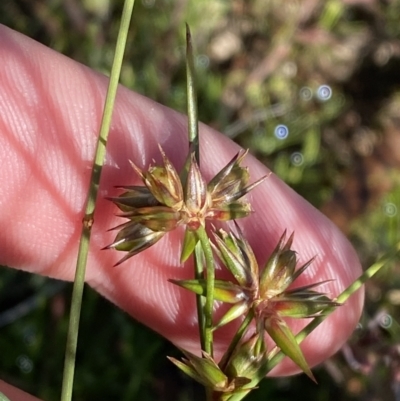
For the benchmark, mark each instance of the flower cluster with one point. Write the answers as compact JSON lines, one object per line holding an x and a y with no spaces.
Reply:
{"x":266,"y":293}
{"x":264,"y":296}
{"x":235,"y":376}
{"x":167,"y":201}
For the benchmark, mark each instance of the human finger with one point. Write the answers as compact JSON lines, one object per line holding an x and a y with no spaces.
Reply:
{"x":50,"y":114}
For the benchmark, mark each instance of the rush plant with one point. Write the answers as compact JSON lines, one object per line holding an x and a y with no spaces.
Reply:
{"x":262,"y":294}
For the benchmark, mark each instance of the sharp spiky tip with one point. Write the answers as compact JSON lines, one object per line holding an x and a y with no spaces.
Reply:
{"x":240,"y":155}
{"x":258,"y":182}
{"x":188,"y":35}
{"x":136,"y":168}
{"x":112,"y":229}
{"x":126,"y":257}
{"x":289,"y":242}
{"x":173,"y":281}
{"x":301,"y":270}
{"x":286,"y":341}
{"x":113,"y":245}
{"x":163,"y":154}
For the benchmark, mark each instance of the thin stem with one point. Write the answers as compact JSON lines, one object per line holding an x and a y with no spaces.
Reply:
{"x":205,"y":316}
{"x":210,"y":279}
{"x":204,"y":308}
{"x":193,"y":136}
{"x":200,"y":299}
{"x":193,"y":124}
{"x":277,"y":356}
{"x":77,"y":292}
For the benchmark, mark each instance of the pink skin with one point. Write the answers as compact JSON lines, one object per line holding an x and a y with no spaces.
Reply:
{"x":50,"y":112}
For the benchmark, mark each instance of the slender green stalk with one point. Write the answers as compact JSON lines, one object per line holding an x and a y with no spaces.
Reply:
{"x":204,"y":308}
{"x":76,"y":303}
{"x":200,"y":300}
{"x":193,"y":124}
{"x":210,"y":276}
{"x":206,"y":313}
{"x":277,"y":356}
{"x":194,"y":146}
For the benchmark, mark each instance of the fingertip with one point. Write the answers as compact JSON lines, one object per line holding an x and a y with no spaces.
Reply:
{"x":14,"y":393}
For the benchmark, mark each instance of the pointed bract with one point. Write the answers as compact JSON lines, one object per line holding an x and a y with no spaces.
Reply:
{"x":286,"y":341}
{"x":189,"y":242}
{"x":239,"y":309}
{"x":302,"y":309}
{"x":224,"y":291}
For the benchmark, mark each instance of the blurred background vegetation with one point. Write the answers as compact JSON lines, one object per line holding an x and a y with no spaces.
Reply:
{"x":313,"y":89}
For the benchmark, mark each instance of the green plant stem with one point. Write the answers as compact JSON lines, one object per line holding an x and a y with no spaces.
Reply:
{"x":204,"y":307}
{"x":77,"y":292}
{"x":200,"y":300}
{"x":210,"y":277}
{"x":206,"y":312}
{"x":193,"y":124}
{"x":277,"y":356}
{"x":194,"y":146}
